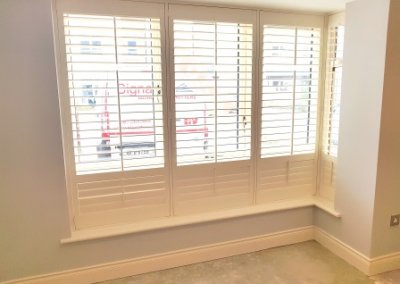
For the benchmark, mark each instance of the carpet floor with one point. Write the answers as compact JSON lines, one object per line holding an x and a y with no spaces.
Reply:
{"x":303,"y":263}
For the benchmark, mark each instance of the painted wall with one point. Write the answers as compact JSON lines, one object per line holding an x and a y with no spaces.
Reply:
{"x":363,"y":80}
{"x":386,"y":240}
{"x":33,"y":201}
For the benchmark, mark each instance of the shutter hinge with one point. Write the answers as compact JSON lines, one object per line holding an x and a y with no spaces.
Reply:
{"x":74,"y":222}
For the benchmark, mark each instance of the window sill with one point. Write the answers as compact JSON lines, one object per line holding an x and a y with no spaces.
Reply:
{"x":112,"y":231}
{"x":326,"y":205}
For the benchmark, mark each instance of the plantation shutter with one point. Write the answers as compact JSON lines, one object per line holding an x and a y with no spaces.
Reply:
{"x":237,"y":127}
{"x":289,"y":90}
{"x":116,"y":116}
{"x":330,"y":135}
{"x":289,"y":103}
{"x":334,"y":85}
{"x":115,"y":92}
{"x":213,"y":65}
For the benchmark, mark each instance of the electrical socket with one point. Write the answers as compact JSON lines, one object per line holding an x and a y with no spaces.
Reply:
{"x":394,"y":220}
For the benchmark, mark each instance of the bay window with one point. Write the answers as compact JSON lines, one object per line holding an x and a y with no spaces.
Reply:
{"x":172,"y":110}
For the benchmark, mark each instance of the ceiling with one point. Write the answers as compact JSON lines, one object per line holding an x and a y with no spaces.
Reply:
{"x":319,"y":6}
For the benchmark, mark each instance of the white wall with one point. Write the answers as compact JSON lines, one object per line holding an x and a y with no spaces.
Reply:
{"x":387,"y":201}
{"x":363,"y":80}
{"x":33,"y":202}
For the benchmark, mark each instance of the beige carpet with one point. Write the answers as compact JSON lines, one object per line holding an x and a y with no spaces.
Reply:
{"x":307,"y":263}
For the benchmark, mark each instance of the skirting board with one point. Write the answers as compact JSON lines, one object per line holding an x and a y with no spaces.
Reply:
{"x":344,"y":251}
{"x":369,"y":266}
{"x":384,"y":263}
{"x":157,"y":262}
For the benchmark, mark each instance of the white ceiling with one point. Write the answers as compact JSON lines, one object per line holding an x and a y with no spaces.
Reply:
{"x":320,"y":6}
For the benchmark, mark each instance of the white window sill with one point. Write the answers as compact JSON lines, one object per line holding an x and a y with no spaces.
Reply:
{"x":168,"y":222}
{"x":327,"y":206}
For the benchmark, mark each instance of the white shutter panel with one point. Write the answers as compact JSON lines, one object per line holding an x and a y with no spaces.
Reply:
{"x":213,"y":67}
{"x":333,"y":91}
{"x":213,"y":96}
{"x":330,"y":135}
{"x":121,"y":198}
{"x":289,"y":90}
{"x":283,"y":178}
{"x":116,"y":113}
{"x":90,"y":54}
{"x":290,"y":84}
{"x":203,"y":188}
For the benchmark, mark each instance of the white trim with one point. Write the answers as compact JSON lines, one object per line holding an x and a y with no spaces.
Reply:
{"x":326,"y":205}
{"x":242,"y":6}
{"x":111,"y":8}
{"x":384,"y":263}
{"x":336,"y":19}
{"x":173,"y":259}
{"x":286,"y":19}
{"x":162,"y":223}
{"x":344,"y":251}
{"x":61,"y":102}
{"x":202,"y":13}
{"x":369,"y":266}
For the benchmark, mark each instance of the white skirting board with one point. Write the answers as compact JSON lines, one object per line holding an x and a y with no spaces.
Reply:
{"x":384,"y":263}
{"x":369,"y":266}
{"x":350,"y":255}
{"x":173,"y":259}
